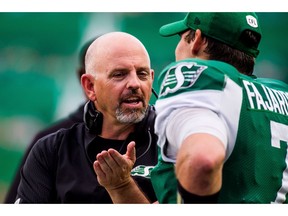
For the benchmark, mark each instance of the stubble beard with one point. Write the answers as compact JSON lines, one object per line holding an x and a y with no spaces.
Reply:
{"x":131,"y":115}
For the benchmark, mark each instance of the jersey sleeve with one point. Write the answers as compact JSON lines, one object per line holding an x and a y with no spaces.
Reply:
{"x":186,"y":121}
{"x":196,"y":84}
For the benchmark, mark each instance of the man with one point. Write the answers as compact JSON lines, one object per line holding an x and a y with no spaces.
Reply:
{"x":118,"y":83}
{"x":223,"y":130}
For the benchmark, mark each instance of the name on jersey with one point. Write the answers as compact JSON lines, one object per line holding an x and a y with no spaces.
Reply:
{"x":180,"y":76}
{"x":261,"y":97}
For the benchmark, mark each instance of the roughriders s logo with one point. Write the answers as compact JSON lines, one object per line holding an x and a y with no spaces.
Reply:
{"x":180,"y":76}
{"x":142,"y":170}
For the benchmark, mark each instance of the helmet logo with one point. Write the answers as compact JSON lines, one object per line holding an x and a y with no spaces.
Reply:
{"x":252,"y":21}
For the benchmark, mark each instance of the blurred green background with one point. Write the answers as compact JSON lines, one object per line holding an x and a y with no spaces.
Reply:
{"x":39,"y":59}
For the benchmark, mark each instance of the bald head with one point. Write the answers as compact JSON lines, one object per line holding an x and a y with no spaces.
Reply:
{"x":111,"y":46}
{"x":118,"y":78}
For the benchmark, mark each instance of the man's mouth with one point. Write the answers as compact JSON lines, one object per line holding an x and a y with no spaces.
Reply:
{"x":133,"y":102}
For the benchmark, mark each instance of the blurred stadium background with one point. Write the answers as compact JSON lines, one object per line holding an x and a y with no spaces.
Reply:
{"x":39,"y":58}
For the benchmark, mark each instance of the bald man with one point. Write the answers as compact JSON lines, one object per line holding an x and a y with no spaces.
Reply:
{"x":108,"y":157}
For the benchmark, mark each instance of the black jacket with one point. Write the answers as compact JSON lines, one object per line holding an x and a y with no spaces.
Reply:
{"x":59,"y":168}
{"x":67,"y":122}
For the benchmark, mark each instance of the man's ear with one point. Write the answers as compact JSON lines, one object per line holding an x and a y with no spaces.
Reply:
{"x":198,"y":43}
{"x":152,"y":74}
{"x":87,"y":82}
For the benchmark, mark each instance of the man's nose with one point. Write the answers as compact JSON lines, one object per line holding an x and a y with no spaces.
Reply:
{"x":133,"y":81}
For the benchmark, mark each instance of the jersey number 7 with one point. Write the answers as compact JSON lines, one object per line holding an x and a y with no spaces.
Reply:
{"x":280,"y":132}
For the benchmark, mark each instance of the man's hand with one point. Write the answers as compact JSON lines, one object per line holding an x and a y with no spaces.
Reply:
{"x":113,"y":172}
{"x":113,"y":169}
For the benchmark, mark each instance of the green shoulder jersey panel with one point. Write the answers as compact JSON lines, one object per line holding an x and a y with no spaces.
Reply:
{"x":179,"y":76}
{"x":255,"y":112}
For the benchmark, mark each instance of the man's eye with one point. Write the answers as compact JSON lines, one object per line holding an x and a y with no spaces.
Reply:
{"x":143,"y":74}
{"x":118,"y":75}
